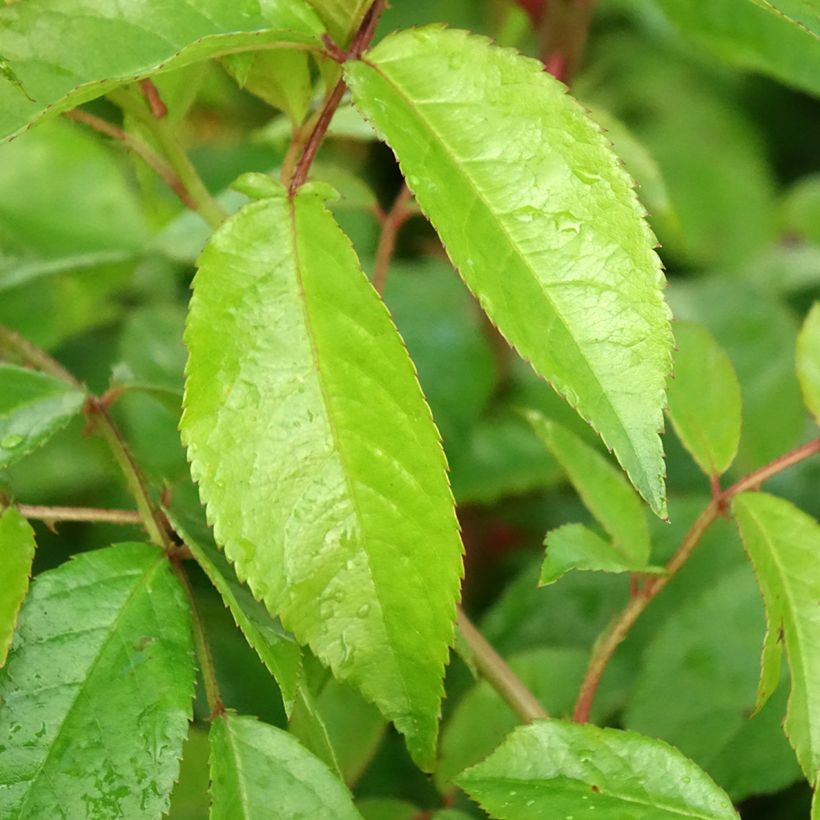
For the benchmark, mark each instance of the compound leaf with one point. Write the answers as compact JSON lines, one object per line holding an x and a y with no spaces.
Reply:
{"x":704,"y":399}
{"x":783,"y":544}
{"x":259,"y":771}
{"x":97,"y":690}
{"x":540,"y":220}
{"x":33,"y":407}
{"x":16,"y":554}
{"x":46,"y":44}
{"x":551,"y":768}
{"x":317,"y":458}
{"x":808,"y":360}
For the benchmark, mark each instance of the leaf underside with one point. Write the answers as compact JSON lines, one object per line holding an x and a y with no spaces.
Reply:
{"x":540,"y":220}
{"x":317,"y":458}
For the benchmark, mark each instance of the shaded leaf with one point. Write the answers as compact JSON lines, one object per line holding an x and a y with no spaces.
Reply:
{"x":704,"y":399}
{"x":317,"y":457}
{"x":342,"y":17}
{"x":783,"y":544}
{"x":97,"y":690}
{"x":526,"y":182}
{"x":16,"y":555}
{"x":258,"y":771}
{"x":33,"y":406}
{"x":46,"y":43}
{"x":808,"y":360}
{"x":552,"y":768}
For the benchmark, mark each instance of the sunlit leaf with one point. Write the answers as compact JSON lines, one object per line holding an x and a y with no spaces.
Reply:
{"x":704,"y":399}
{"x":317,"y":457}
{"x":97,"y":690}
{"x":16,"y":554}
{"x":808,"y":360}
{"x":516,"y":178}
{"x":783,"y":544}
{"x":259,"y":771}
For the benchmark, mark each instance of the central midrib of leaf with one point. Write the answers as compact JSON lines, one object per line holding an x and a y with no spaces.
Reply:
{"x":525,"y":264}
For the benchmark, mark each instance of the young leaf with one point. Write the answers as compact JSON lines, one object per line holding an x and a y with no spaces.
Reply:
{"x":602,"y":489}
{"x":778,"y":38}
{"x":808,"y":360}
{"x":783,"y":544}
{"x":704,"y":399}
{"x":553,"y":768}
{"x":260,"y":771}
{"x":16,"y":554}
{"x":280,"y":654}
{"x":317,"y":458}
{"x":49,"y":44}
{"x":516,"y":178}
{"x":97,"y":690}
{"x":33,"y":407}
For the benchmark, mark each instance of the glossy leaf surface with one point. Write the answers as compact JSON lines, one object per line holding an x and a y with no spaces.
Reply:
{"x":97,"y":689}
{"x":780,"y":38}
{"x":33,"y":406}
{"x":704,"y":399}
{"x":258,"y":771}
{"x":16,"y":554}
{"x":548,"y":768}
{"x":783,"y":544}
{"x":515,"y":177}
{"x":46,"y":42}
{"x":808,"y":360}
{"x":317,"y":457}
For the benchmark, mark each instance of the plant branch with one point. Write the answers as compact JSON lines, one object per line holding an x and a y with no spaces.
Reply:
{"x":398,"y":214}
{"x":31,"y":355}
{"x":498,"y":674}
{"x":563,"y":34}
{"x":360,"y":42}
{"x":162,"y":131}
{"x":608,"y":642}
{"x":52,"y":515}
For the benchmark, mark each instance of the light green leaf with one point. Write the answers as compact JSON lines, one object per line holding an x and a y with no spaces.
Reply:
{"x":704,"y":399}
{"x":558,"y":769}
{"x":783,"y":544}
{"x":47,"y":44}
{"x":278,"y":651}
{"x":97,"y":690}
{"x":16,"y":554}
{"x":601,"y":486}
{"x":342,"y":17}
{"x":33,"y":406}
{"x":258,"y":771}
{"x":516,"y":178}
{"x":575,"y":546}
{"x":808,"y":360}
{"x":316,"y":456}
{"x":781,"y":39}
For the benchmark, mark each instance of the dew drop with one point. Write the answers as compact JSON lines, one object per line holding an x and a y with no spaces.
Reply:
{"x":363,"y":610}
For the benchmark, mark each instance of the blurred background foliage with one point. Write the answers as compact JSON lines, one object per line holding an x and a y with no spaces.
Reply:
{"x":96,"y":260}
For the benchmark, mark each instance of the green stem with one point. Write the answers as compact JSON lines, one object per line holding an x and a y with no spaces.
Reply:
{"x":495,"y":670}
{"x":162,"y":131}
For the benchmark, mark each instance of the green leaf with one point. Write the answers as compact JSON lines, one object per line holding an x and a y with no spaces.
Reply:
{"x":781,"y":39}
{"x":714,"y":673}
{"x":342,"y":17}
{"x":33,"y":407}
{"x":808,"y":360}
{"x":280,"y":654}
{"x":97,"y":690}
{"x":49,"y":44}
{"x":575,"y":546}
{"x":316,"y":456}
{"x":704,"y":399}
{"x":530,"y":186}
{"x":601,"y":486}
{"x":259,"y":771}
{"x":783,"y":544}
{"x":553,"y":769}
{"x":16,"y":555}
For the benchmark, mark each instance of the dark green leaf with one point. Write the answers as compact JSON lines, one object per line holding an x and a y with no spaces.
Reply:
{"x":317,"y":457}
{"x":16,"y":554}
{"x":529,"y":185}
{"x":258,"y":771}
{"x":97,"y":690}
